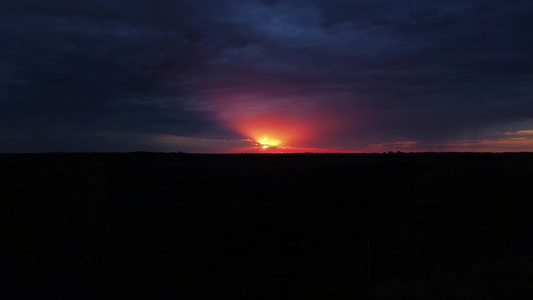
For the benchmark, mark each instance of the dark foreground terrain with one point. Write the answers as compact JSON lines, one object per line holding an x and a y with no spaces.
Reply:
{"x":300,"y":226}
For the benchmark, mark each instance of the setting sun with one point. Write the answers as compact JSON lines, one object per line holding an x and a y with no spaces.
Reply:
{"x":265,"y":142}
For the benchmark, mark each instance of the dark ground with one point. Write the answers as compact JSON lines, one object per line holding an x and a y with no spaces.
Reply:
{"x":297,"y":226}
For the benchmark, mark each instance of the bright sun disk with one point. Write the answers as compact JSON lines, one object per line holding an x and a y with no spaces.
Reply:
{"x":265,"y":142}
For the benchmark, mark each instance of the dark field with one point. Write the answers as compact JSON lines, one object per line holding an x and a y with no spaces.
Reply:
{"x":298,"y":226}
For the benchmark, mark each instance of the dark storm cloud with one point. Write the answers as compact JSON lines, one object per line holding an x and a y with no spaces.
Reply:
{"x":71,"y":73}
{"x":92,"y":67}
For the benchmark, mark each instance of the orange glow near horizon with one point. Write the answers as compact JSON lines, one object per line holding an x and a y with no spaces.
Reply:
{"x":266,"y":143}
{"x":271,"y":128}
{"x":270,"y":133}
{"x":292,"y":123}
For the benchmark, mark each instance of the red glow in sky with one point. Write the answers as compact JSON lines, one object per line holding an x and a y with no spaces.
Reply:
{"x":275,"y":125}
{"x":279,"y":129}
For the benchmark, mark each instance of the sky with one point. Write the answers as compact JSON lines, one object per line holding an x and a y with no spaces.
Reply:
{"x":237,"y":76}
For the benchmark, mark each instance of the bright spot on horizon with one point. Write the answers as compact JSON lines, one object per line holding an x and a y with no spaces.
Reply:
{"x":265,"y":142}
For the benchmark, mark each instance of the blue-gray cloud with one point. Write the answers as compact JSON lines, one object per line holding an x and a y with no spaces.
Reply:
{"x":423,"y":70}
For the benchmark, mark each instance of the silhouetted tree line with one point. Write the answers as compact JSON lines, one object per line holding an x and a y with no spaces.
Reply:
{"x":196,"y":226}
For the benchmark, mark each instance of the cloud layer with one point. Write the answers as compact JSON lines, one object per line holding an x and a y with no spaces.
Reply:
{"x":204,"y":76}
